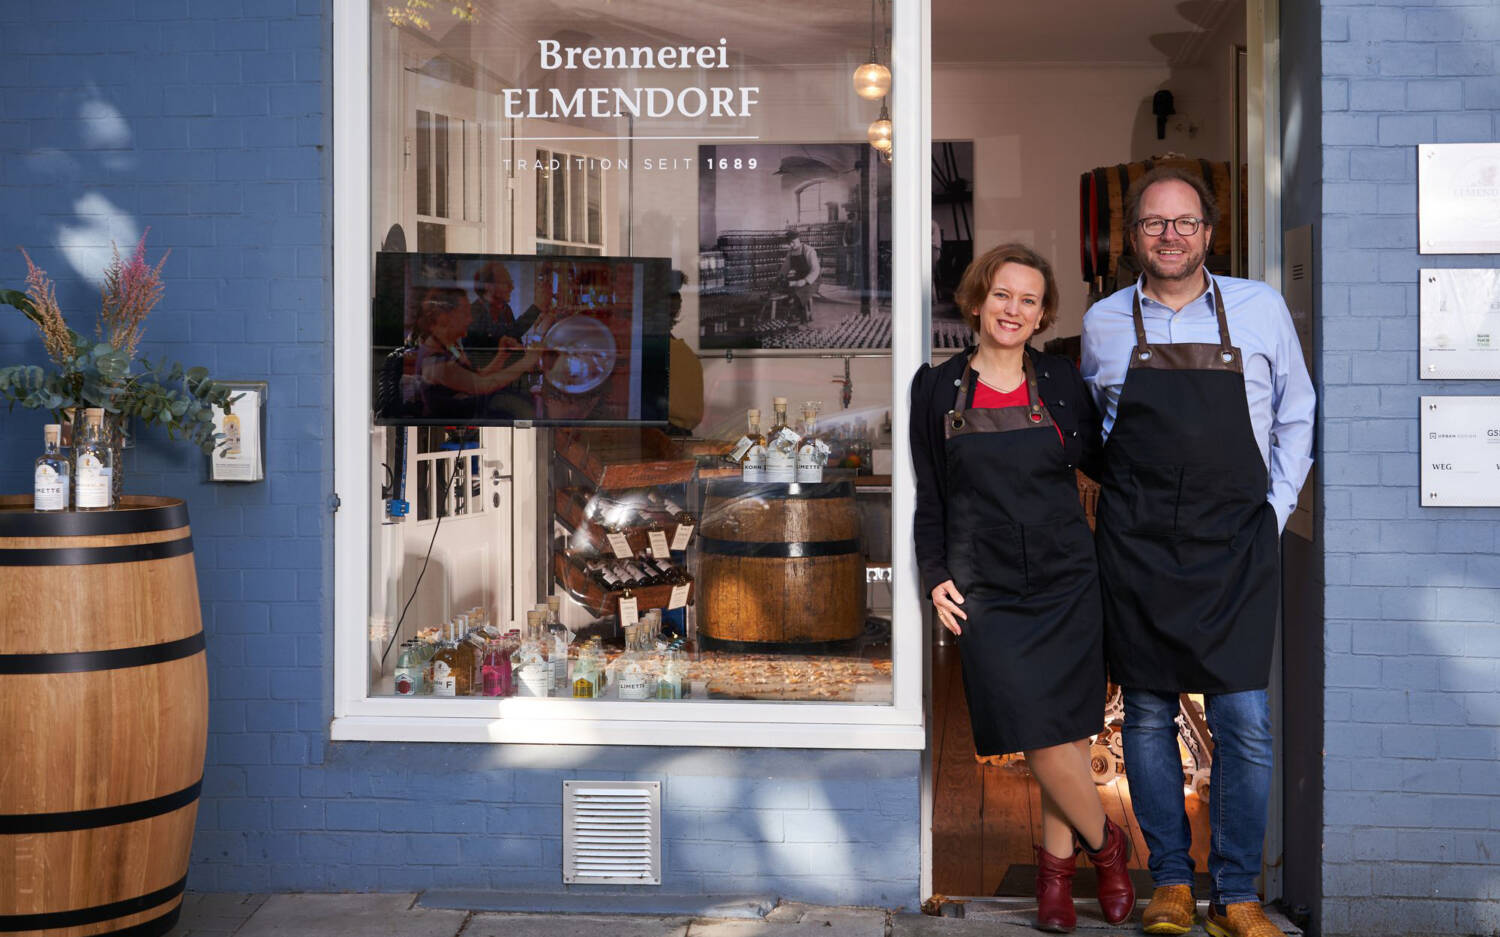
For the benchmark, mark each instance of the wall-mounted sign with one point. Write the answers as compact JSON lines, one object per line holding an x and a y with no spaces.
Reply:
{"x":1460,"y":324}
{"x":1458,"y":198}
{"x":1461,"y":452}
{"x":238,"y":455}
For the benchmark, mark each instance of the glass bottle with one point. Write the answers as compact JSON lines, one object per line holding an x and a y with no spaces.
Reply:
{"x":585,"y":676}
{"x":632,"y":679}
{"x":446,"y":667}
{"x":94,"y":464}
{"x":496,"y":669}
{"x":529,"y":667}
{"x":813,"y":452}
{"x":408,"y":680}
{"x":50,"y":492}
{"x":781,"y":446}
{"x":669,"y":685}
{"x":751,"y":450}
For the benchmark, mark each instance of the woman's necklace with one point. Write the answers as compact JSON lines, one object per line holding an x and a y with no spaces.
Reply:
{"x":1003,"y":376}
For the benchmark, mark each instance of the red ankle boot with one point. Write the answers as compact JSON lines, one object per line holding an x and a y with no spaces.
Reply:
{"x":1054,"y":891}
{"x":1116,"y":891}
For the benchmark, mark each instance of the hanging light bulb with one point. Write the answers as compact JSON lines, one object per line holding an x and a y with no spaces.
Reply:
{"x":879,"y":133}
{"x":872,"y":81}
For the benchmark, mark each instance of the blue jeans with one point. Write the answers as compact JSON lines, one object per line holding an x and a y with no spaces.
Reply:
{"x":1240,"y":782}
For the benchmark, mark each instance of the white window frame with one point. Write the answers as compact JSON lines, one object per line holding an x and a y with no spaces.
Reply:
{"x":358,"y":716}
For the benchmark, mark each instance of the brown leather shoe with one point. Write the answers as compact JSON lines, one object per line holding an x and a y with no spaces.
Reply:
{"x":1171,"y":911}
{"x":1054,"y":892}
{"x":1116,"y":890}
{"x":1242,"y":919}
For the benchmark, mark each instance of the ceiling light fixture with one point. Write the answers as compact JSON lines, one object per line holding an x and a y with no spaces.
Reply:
{"x":872,"y":81}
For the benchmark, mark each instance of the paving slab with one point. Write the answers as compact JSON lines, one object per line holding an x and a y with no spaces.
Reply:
{"x":215,"y":915}
{"x":657,"y":904}
{"x":847,"y":924}
{"x":574,"y":925}
{"x":349,"y":916}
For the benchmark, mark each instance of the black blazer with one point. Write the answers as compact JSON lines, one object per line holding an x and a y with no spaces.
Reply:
{"x":932,"y":396}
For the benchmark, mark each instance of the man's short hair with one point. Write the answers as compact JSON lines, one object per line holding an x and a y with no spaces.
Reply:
{"x":790,"y":234}
{"x":975,"y":285}
{"x":493,"y":272}
{"x":1163,"y":174}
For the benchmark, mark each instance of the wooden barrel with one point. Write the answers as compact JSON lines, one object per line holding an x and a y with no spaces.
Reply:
{"x":103,"y":719}
{"x":779,"y":564}
{"x":1103,"y":227}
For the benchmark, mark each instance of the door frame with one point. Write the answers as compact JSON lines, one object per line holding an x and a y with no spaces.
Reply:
{"x":1263,"y":225}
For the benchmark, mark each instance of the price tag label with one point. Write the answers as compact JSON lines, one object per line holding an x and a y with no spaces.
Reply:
{"x":659,"y":548}
{"x":679,"y":596}
{"x":620,"y":546}
{"x":629,"y":615}
{"x":681,"y":536}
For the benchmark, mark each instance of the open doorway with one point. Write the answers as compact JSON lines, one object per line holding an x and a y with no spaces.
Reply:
{"x":1061,"y":120}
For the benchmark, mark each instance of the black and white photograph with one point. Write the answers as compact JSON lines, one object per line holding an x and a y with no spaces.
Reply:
{"x":952,"y":237}
{"x":794,"y":246}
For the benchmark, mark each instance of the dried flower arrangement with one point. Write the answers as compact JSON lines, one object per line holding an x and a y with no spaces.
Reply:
{"x":105,"y":373}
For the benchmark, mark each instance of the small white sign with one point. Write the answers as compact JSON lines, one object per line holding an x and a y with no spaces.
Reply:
{"x":681,"y":536}
{"x":1460,"y":324}
{"x":1461,"y":451}
{"x":679,"y":596}
{"x":658,"y":540}
{"x":1458,"y":198}
{"x":237,"y":453}
{"x":629,"y":612}
{"x":619,"y":545}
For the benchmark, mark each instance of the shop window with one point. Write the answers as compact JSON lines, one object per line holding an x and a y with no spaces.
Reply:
{"x":571,"y":509}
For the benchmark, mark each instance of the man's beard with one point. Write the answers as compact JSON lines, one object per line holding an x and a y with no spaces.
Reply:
{"x":1192,"y":260}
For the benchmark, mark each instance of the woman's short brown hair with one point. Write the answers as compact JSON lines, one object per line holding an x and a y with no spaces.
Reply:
{"x":975,"y":285}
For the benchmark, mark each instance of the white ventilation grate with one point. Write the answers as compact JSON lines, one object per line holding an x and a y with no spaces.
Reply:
{"x":612,"y":832}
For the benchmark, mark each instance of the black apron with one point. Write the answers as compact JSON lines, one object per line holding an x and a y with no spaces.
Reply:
{"x":1021,"y":554}
{"x":1188,"y":544}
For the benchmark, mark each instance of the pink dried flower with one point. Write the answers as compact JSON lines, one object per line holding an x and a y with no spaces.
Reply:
{"x":131,"y":289}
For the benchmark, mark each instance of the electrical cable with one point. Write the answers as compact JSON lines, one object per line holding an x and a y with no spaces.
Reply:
{"x":457,"y":461}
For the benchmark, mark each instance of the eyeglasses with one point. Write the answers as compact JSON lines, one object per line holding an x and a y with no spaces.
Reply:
{"x":1187,"y":226}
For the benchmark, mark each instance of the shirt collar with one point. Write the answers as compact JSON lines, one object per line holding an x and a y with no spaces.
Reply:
{"x":1148,"y":302}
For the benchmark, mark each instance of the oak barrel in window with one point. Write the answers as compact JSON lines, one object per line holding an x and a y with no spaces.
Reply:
{"x":103,"y":719}
{"x":779,"y":564}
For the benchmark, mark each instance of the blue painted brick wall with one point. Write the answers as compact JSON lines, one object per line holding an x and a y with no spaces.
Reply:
{"x":208,"y":122}
{"x":1412,"y":781}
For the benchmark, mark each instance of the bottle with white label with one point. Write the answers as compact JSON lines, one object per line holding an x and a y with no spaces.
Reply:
{"x":750,"y":452}
{"x":781,"y":446}
{"x":93,"y":464}
{"x":812,"y":454}
{"x":445,"y":666}
{"x":52,"y":474}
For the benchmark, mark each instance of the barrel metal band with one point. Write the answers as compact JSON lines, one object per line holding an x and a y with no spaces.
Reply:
{"x":66,"y":821}
{"x":94,"y":556}
{"x":114,"y":659}
{"x":93,"y":523}
{"x":782,"y":550}
{"x":101,"y":912}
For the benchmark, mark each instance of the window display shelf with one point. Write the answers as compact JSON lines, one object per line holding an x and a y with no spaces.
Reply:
{"x":576,"y":582}
{"x":627,"y":458}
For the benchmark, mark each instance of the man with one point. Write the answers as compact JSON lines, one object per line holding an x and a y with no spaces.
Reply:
{"x":494,"y":320}
{"x":1208,"y":420}
{"x":800,"y":271}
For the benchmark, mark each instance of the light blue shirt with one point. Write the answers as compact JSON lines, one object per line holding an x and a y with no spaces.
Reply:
{"x":1277,"y":388}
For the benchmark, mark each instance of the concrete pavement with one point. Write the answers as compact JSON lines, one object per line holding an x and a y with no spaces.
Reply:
{"x":404,"y":915}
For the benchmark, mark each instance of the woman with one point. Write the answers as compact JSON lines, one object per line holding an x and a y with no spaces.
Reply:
{"x":1006,"y":554}
{"x":450,"y":384}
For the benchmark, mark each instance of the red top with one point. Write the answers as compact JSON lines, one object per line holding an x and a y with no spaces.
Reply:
{"x":987,"y":397}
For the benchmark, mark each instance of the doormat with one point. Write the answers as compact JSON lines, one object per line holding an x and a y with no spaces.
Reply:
{"x":1020,"y":882}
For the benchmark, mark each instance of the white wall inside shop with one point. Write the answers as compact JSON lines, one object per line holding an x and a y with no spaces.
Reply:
{"x":1037,"y":127}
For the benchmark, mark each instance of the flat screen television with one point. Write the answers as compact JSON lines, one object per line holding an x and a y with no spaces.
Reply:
{"x":502,"y":339}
